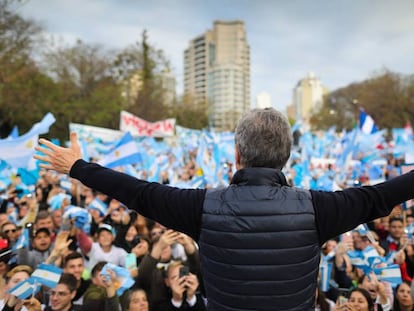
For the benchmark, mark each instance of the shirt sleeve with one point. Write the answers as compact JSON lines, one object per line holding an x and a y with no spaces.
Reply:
{"x":178,"y":209}
{"x":341,"y":211}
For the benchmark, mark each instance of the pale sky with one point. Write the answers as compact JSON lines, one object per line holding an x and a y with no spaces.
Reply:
{"x":340,"y":41}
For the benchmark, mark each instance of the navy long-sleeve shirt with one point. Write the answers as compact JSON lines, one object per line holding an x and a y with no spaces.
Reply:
{"x":181,"y":209}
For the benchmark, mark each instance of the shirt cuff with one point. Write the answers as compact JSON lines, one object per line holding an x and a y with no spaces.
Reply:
{"x":176,"y":303}
{"x":192,"y":301}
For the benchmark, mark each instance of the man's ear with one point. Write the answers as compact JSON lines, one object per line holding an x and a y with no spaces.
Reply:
{"x":237,"y":158}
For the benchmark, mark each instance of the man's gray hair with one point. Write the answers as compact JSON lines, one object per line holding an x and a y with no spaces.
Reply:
{"x":263,"y":138}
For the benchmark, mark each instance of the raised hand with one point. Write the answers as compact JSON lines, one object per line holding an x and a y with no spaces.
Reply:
{"x":58,"y":158}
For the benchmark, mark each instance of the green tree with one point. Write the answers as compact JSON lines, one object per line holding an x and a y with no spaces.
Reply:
{"x":88,"y":92}
{"x":140,"y":69}
{"x":24,"y":90}
{"x":386,"y":96}
{"x":189,"y":115}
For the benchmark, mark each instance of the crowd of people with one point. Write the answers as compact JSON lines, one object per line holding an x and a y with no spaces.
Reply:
{"x":154,"y":255}
{"x":88,"y":234}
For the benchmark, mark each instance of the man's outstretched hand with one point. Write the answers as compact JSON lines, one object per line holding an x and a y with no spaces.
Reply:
{"x":58,"y":158}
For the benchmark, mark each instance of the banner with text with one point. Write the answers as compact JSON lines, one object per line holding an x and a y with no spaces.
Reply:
{"x":139,"y":127}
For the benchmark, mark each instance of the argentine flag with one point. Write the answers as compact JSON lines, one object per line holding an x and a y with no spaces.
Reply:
{"x":391,"y":274}
{"x":18,"y":152}
{"x":124,"y":152}
{"x":123,"y":277}
{"x":25,"y":289}
{"x":47,"y":275}
{"x":366,"y":123}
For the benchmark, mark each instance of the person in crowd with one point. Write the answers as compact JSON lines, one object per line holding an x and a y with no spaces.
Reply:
{"x":141,"y":246}
{"x":10,"y":232}
{"x":152,"y":267}
{"x":73,"y":263}
{"x":183,"y":289}
{"x":135,"y":299}
{"x":359,"y":300}
{"x":44,"y":219}
{"x":259,"y":229}
{"x":40,"y":252}
{"x":403,"y":301}
{"x":103,"y":249}
{"x":101,"y":293}
{"x":60,"y":297}
{"x":323,"y":303}
{"x":380,"y":292}
{"x":396,"y":242}
{"x":14,"y":277}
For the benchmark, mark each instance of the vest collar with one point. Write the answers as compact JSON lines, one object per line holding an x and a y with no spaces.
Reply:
{"x":255,"y":176}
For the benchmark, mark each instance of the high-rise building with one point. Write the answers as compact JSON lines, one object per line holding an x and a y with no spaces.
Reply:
{"x":308,"y":97}
{"x":217,"y":71}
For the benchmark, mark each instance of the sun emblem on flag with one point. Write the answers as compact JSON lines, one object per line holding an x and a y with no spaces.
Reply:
{"x":117,"y":153}
{"x":29,"y":144}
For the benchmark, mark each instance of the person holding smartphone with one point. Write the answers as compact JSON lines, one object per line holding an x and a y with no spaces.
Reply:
{"x":183,"y":287}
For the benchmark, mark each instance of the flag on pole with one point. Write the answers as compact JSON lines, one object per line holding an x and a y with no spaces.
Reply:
{"x":325,"y":272}
{"x":47,"y":275}
{"x":366,"y":123}
{"x":124,"y":152}
{"x":391,"y":274}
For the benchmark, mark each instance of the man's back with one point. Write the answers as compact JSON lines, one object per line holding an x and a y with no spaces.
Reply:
{"x":259,"y":245}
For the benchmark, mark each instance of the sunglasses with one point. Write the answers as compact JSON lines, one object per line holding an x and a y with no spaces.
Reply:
{"x":10,"y":230}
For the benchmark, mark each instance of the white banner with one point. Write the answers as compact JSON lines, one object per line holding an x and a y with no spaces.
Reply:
{"x":88,"y":131}
{"x":139,"y":127}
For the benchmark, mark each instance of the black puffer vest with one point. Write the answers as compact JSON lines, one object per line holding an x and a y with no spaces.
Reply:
{"x":259,"y":245}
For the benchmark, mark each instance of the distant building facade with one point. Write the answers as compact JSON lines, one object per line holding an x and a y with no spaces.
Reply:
{"x":307,"y":97}
{"x":217,"y":72}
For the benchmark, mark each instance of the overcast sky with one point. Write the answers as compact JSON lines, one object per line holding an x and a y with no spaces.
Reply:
{"x":340,"y":41}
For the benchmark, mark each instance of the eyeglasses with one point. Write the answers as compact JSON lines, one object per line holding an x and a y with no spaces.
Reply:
{"x":10,"y":230}
{"x":59,"y":294}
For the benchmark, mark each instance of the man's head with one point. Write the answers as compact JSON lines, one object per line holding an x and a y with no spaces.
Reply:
{"x":61,"y":296}
{"x":96,"y":277}
{"x":41,"y":239}
{"x":106,"y":235}
{"x":73,"y":264}
{"x":44,"y":220}
{"x":9,"y":231}
{"x":396,"y":227}
{"x":16,"y":275}
{"x":263,"y":139}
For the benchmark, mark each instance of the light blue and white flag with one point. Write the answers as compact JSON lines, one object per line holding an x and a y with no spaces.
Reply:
{"x":124,"y":152}
{"x":391,"y":274}
{"x":19,"y":151}
{"x":325,"y":276}
{"x":23,"y":241}
{"x":47,"y":275}
{"x":25,"y":289}
{"x":98,"y":205}
{"x":366,"y":123}
{"x":122,"y":274}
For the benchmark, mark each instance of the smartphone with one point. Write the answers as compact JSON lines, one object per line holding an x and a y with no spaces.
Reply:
{"x":131,"y":261}
{"x":343,"y":294}
{"x":184,"y":270}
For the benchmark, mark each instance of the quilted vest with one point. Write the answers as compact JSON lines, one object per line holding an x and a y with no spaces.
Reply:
{"x":259,"y":244}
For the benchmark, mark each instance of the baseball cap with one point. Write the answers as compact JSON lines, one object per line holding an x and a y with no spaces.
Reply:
{"x":43,"y":229}
{"x":106,"y":227}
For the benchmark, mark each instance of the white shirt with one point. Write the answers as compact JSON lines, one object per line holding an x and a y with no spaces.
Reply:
{"x":115,"y":256}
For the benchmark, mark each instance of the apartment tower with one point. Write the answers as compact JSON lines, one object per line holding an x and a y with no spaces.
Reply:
{"x":217,"y":72}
